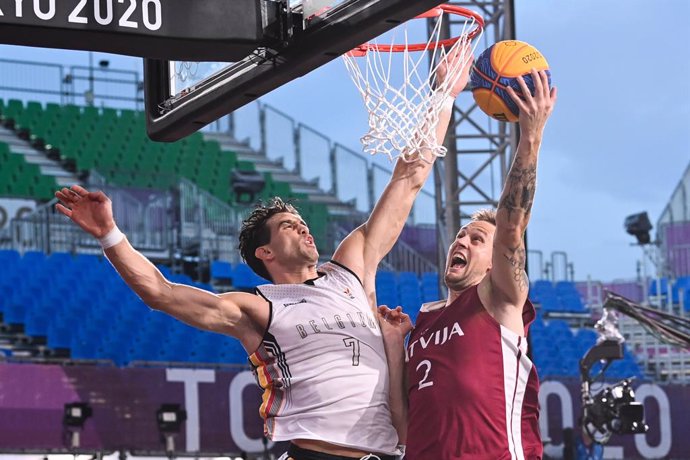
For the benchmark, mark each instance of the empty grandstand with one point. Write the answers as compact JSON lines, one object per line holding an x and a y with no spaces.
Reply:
{"x":182,"y":204}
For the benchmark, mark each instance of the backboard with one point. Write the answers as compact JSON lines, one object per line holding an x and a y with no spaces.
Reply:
{"x":296,"y":38}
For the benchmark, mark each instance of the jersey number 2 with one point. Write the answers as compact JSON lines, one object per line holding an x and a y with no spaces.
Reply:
{"x":354,"y":343}
{"x":427,"y":368}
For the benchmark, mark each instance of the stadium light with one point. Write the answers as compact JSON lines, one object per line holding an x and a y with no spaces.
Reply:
{"x":170,"y":418}
{"x":73,"y":420}
{"x":639,"y":226}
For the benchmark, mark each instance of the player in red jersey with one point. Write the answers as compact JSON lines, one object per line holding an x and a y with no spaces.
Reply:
{"x":472,"y":390}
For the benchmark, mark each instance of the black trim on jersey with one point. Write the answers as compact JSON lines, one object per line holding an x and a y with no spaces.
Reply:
{"x":270,"y":311}
{"x":311,"y":282}
{"x":345,"y":268}
{"x":271,"y":344}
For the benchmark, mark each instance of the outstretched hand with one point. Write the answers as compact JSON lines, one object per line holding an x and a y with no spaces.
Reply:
{"x":535,"y":109}
{"x":92,"y":211}
{"x":456,"y":66}
{"x":394,"y":321}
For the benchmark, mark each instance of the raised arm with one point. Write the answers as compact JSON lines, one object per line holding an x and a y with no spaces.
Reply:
{"x":234,"y":314}
{"x":367,"y":245}
{"x":395,"y":325}
{"x":509,"y":284}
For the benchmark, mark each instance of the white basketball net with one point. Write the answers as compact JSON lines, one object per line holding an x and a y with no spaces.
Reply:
{"x":403,"y":115}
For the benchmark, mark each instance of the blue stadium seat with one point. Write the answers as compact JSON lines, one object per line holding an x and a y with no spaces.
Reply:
{"x":244,"y":278}
{"x":114,"y":349}
{"x":148,"y":349}
{"x":87,"y":343}
{"x":387,"y":289}
{"x":537,"y":326}
{"x":386,"y":277}
{"x":430,"y":287}
{"x":409,"y":292}
{"x":181,"y":278}
{"x":232,"y":352}
{"x":33,"y":258}
{"x":559,"y":327}
{"x":177,"y":351}
{"x":59,"y":336}
{"x":36,"y":321}
{"x":540,"y":287}
{"x":584,"y":340}
{"x":63,"y":259}
{"x":543,"y":293}
{"x":429,"y":277}
{"x":547,"y":364}
{"x":387,"y":297}
{"x":408,"y":277}
{"x":204,"y":286}
{"x":221,"y":271}
{"x":16,"y":307}
{"x":207,"y":349}
{"x":569,"y":364}
{"x":571,"y":303}
{"x":9,"y":258}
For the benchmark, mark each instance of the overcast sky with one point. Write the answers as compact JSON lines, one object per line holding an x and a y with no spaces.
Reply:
{"x":619,"y":139}
{"x":617,"y":144}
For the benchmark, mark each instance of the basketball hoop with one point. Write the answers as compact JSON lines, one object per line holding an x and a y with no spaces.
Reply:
{"x":403,"y":113}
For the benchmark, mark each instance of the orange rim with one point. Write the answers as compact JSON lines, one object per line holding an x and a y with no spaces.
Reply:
{"x":361,"y":50}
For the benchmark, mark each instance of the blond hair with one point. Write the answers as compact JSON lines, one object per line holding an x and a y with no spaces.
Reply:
{"x":484,"y":215}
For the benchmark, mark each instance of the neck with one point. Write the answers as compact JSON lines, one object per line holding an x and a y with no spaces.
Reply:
{"x":454,"y":294}
{"x":295,"y":275}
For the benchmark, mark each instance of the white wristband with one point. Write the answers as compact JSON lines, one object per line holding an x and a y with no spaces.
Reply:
{"x":112,"y":238}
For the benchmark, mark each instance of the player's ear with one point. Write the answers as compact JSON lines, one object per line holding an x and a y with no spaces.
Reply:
{"x":263,"y":253}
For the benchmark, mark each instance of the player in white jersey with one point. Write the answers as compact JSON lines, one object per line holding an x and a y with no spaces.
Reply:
{"x":323,"y":356}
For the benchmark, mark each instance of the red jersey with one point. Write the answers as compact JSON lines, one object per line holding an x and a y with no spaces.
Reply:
{"x":473,"y":392}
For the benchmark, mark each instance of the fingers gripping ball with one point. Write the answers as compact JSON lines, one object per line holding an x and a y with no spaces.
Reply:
{"x":496,"y":68}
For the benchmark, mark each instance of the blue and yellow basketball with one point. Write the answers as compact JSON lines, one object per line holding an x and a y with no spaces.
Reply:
{"x":496,"y":68}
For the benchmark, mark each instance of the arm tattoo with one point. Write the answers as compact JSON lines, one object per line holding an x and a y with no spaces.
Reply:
{"x":517,"y":258}
{"x":518,"y":194}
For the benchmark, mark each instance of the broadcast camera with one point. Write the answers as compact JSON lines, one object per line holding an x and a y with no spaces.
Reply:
{"x":613,"y":409}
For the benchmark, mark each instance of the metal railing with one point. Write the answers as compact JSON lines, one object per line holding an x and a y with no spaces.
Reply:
{"x":337,"y":169}
{"x":144,"y":219}
{"x":208,"y":226}
{"x":303,"y":150}
{"x":43,"y":82}
{"x":161,"y":224}
{"x":402,"y":258}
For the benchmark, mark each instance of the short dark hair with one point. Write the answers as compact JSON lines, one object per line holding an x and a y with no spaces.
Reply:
{"x":255,"y":232}
{"x":484,"y":215}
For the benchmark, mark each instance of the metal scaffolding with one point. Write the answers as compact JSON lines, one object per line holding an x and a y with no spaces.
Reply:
{"x":480,"y":148}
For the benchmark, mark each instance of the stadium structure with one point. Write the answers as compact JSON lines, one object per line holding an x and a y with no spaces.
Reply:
{"x":87,"y":368}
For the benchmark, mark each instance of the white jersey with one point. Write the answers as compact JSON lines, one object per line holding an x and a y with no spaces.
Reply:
{"x":322,"y":364}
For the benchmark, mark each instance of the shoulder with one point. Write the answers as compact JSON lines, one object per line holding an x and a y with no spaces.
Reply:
{"x":243,"y":299}
{"x":248,"y":315}
{"x":493,"y":297}
{"x":339,"y":271}
{"x":432,"y":306}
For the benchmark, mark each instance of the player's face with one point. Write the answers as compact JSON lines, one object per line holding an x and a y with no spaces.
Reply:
{"x":469,"y":257}
{"x":291,"y":241}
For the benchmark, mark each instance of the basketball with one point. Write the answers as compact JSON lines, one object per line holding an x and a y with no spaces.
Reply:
{"x":496,"y":69}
